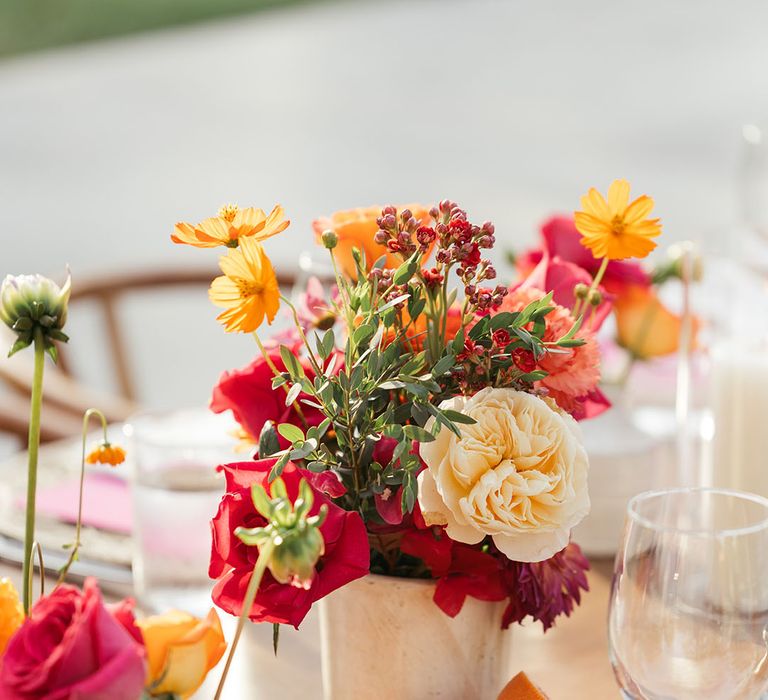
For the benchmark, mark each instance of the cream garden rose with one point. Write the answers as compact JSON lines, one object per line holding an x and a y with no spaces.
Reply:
{"x":518,"y":474}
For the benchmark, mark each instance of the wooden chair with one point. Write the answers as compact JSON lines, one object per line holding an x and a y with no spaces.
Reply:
{"x":65,"y":398}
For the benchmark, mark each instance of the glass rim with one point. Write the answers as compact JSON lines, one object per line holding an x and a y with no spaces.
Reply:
{"x":636,"y":517}
{"x":140,"y":426}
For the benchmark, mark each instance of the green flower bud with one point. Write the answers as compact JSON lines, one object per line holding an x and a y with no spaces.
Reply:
{"x":595,"y":298}
{"x":296,"y":537}
{"x":32,"y":303}
{"x":295,"y":555}
{"x":580,"y":291}
{"x":330,"y":239}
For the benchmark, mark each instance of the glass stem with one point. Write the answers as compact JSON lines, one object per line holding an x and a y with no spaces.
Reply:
{"x":265,"y":554}
{"x":33,"y":445}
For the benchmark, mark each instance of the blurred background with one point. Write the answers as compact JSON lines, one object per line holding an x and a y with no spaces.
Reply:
{"x":118,"y":119}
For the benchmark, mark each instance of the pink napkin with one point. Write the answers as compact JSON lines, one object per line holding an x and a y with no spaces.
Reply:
{"x":106,"y":504}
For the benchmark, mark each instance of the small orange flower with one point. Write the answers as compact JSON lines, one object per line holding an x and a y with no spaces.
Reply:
{"x":645,"y":326}
{"x":231,"y":225}
{"x":617,"y":229}
{"x":247,"y":290}
{"x":356,"y":228}
{"x":106,"y":453}
{"x":11,"y":612}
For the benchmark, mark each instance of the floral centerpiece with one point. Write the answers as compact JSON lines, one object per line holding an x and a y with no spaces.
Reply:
{"x":418,"y":422}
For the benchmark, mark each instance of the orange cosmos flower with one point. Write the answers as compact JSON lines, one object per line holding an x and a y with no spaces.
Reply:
{"x":230,"y":225}
{"x":617,"y":229}
{"x":106,"y":453}
{"x":356,"y":228}
{"x":645,"y":326}
{"x":248,"y":289}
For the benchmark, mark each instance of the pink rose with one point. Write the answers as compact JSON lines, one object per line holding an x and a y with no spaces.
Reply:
{"x":73,"y":648}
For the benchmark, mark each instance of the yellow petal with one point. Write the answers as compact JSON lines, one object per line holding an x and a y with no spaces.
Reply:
{"x":274,"y":224}
{"x":594,"y":204}
{"x":638,"y":210}
{"x":191,"y":235}
{"x":618,"y":197}
{"x":587,"y":223}
{"x":214,"y":228}
{"x":224,"y":292}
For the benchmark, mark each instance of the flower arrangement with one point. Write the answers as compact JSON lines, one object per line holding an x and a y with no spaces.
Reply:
{"x":430,"y":412}
{"x":69,"y":643}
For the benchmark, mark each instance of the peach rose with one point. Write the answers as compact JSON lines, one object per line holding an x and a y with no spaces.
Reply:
{"x":181,"y":649}
{"x":356,"y":229}
{"x":518,"y":474}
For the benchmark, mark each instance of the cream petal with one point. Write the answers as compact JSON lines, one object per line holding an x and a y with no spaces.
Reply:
{"x":533,"y":546}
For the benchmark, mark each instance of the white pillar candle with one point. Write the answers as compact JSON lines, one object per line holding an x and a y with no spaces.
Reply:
{"x":740,"y":411}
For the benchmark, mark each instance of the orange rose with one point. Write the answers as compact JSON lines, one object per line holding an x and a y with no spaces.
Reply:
{"x":181,"y":649}
{"x":645,"y":326}
{"x":356,"y":228}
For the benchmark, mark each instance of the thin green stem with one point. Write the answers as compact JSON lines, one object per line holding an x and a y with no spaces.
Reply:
{"x":312,"y":359}
{"x":277,"y":373}
{"x":74,"y":551}
{"x":265,"y":554}
{"x":33,"y":445}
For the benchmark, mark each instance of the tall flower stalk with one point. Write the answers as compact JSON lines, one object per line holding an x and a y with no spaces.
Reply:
{"x":35,"y":308}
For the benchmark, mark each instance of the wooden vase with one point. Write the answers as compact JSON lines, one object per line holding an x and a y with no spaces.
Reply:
{"x":383,"y":638}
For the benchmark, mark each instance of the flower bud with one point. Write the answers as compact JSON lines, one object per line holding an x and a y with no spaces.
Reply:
{"x":32,"y":305}
{"x":295,"y":555}
{"x":296,"y":538}
{"x":330,"y":239}
{"x":380,"y":237}
{"x":595,"y":298}
{"x":580,"y":291}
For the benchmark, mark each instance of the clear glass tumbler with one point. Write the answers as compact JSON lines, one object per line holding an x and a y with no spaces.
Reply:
{"x":175,"y":492}
{"x":688,"y":615}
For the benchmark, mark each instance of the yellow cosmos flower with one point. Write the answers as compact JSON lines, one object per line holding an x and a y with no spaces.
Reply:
{"x":617,"y":229}
{"x":248,"y":289}
{"x":230,"y":225}
{"x":181,"y":649}
{"x":106,"y":453}
{"x":11,"y":612}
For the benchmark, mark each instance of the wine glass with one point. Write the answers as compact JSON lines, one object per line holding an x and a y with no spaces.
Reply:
{"x":688,"y":615}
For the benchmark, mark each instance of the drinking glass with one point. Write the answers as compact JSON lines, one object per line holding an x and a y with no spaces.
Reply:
{"x":688,"y":615}
{"x":175,"y":493}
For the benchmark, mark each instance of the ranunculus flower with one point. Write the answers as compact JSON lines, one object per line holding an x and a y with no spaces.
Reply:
{"x":249,"y":395}
{"x":572,"y":373}
{"x":346,"y":557}
{"x":181,"y":649}
{"x":355,"y":228}
{"x":72,"y":647}
{"x":518,"y":474}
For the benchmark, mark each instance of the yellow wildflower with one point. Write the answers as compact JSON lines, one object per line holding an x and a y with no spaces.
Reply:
{"x":617,"y":229}
{"x":230,"y":226}
{"x":247,"y":290}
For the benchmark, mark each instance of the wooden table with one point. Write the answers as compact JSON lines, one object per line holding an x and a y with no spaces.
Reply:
{"x":570,"y":662}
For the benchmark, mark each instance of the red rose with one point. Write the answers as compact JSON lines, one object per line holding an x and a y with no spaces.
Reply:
{"x":73,"y":648}
{"x":346,"y":557}
{"x":249,"y":395}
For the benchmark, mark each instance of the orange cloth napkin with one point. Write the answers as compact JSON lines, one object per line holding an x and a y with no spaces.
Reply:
{"x":521,"y":688}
